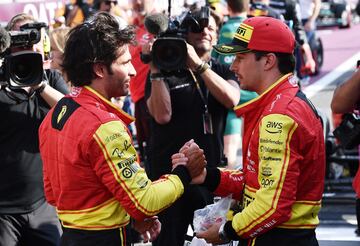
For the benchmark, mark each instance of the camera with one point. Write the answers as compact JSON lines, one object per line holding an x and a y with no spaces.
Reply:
{"x":169,"y":51}
{"x":348,"y":132}
{"x":22,"y":68}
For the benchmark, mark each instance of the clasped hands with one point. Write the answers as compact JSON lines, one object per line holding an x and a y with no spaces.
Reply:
{"x":191,"y":156}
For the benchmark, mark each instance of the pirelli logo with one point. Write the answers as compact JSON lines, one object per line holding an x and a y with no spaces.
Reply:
{"x":244,"y":32}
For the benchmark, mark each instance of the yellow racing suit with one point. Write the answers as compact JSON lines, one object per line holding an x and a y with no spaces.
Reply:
{"x":91,"y":169}
{"x":282,"y":180}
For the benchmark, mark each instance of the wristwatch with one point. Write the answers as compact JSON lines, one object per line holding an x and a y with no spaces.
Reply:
{"x":41,"y":88}
{"x":222,"y":234}
{"x":156,"y":76}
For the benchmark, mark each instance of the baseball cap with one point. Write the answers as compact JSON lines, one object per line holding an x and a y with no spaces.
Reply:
{"x":262,"y":34}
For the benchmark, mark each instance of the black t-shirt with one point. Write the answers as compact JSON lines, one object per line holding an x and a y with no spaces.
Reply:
{"x":21,"y":181}
{"x":187,"y":122}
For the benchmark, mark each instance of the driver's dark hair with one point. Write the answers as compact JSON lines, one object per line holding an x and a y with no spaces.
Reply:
{"x":286,"y":62}
{"x":94,"y":41}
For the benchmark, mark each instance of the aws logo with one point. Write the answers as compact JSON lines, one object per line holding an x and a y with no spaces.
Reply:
{"x":274,"y":127}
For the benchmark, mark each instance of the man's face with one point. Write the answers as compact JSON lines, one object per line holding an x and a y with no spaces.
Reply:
{"x":206,"y":39}
{"x":122,"y":71}
{"x":107,"y":5}
{"x":56,"y":59}
{"x":248,"y":70}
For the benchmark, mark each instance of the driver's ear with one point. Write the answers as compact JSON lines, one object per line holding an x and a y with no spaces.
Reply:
{"x":99,"y":70}
{"x":270,"y":61}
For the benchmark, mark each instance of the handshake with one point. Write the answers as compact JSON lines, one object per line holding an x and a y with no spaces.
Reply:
{"x":193,"y":158}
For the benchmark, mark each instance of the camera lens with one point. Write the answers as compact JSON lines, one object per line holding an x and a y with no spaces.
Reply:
{"x":25,"y":68}
{"x":169,"y":53}
{"x":21,"y":71}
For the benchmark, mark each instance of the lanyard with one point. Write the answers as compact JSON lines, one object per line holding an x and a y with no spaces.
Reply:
{"x":205,"y":101}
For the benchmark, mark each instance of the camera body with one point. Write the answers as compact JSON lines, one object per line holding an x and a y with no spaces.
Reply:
{"x":348,"y":132}
{"x":169,"y":51}
{"x":22,"y":68}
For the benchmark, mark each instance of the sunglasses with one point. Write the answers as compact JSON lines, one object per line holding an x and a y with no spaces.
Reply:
{"x":109,"y":2}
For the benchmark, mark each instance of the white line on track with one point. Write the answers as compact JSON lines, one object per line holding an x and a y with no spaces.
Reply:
{"x":347,"y":65}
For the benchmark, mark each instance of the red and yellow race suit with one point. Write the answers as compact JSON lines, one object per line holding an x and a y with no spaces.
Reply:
{"x":283,"y":162}
{"x":91,"y":170}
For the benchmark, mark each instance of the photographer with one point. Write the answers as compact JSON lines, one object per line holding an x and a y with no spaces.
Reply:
{"x":189,"y":103}
{"x":346,"y":99}
{"x":25,"y":216}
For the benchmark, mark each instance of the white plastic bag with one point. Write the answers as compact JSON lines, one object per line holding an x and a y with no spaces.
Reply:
{"x":199,"y":242}
{"x":213,"y":213}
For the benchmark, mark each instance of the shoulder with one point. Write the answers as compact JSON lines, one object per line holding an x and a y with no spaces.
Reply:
{"x":53,"y":75}
{"x":56,"y":80}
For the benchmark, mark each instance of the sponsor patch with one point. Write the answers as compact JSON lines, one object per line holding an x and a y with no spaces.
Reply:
{"x":266,"y":149}
{"x":225,"y":48}
{"x":244,"y":32}
{"x":266,"y":182}
{"x":128,"y":171}
{"x":127,"y":162}
{"x":270,"y":141}
{"x":266,"y":171}
{"x":120,"y":152}
{"x":274,"y":127}
{"x":270,"y":158}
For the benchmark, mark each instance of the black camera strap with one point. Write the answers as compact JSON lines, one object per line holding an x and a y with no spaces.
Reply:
{"x":207,"y":120}
{"x":18,"y":95}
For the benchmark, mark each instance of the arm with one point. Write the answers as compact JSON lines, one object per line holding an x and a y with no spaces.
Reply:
{"x":347,"y":95}
{"x":55,"y":89}
{"x":115,"y":163}
{"x":293,"y":14}
{"x":227,"y":92}
{"x":50,"y":95}
{"x":159,"y":101}
{"x":310,"y":24}
{"x":300,"y":35}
